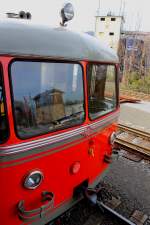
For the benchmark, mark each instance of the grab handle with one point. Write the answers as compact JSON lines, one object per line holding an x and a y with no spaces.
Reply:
{"x":38,"y":212}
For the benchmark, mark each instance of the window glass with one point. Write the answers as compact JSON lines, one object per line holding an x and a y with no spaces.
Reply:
{"x":113,"y":19}
{"x":111,"y":33}
{"x":101,"y":89}
{"x":47,"y":96}
{"x":3,"y":117}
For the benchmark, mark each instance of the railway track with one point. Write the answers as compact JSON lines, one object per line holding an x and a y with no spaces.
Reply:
{"x":85,"y":214}
{"x":135,"y":140}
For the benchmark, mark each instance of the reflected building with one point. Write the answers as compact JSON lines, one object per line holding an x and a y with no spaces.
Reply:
{"x":49,"y":106}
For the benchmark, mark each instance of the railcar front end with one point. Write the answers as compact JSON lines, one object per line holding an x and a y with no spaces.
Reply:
{"x":58,"y":114}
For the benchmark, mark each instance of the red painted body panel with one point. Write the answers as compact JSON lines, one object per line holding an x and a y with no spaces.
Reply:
{"x":54,"y":165}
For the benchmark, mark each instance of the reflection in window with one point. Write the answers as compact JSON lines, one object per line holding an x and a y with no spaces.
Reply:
{"x":47,"y":96}
{"x":101,"y":89}
{"x":3,"y":118}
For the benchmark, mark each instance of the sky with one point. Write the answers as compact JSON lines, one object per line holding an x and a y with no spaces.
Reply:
{"x":136,"y":12}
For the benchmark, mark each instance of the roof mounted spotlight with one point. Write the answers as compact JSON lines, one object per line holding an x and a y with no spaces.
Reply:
{"x":67,"y":13}
{"x":24,"y":15}
{"x":20,"y":15}
{"x":28,"y":15}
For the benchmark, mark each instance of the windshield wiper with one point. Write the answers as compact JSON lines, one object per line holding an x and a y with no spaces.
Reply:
{"x":69,"y":118}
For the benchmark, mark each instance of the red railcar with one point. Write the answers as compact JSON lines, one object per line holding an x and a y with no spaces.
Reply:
{"x":58,"y":114}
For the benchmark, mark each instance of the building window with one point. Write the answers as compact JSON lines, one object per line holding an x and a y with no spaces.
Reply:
{"x":102,"y":19}
{"x":47,"y":96}
{"x":113,"y":19}
{"x":111,"y":33}
{"x":102,"y":97}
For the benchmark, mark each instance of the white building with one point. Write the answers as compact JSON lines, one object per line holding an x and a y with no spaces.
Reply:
{"x":108,"y":29}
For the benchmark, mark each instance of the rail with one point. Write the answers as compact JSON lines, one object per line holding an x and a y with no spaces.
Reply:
{"x":133,"y":139}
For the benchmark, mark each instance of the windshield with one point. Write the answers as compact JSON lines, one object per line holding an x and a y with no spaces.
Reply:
{"x":101,"y":89}
{"x":47,"y":96}
{"x":3,"y":118}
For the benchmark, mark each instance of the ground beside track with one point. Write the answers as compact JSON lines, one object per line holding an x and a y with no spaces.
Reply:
{"x":136,"y":114}
{"x":131,"y":181}
{"x":134,"y":94}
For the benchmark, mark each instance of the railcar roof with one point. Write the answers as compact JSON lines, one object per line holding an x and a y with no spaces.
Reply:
{"x":25,"y":39}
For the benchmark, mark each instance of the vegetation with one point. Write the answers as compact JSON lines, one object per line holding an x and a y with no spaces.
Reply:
{"x":136,"y":82}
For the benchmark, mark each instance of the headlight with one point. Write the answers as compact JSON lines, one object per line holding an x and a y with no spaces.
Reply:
{"x":112,"y":138}
{"x":33,"y":180}
{"x":67,"y":13}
